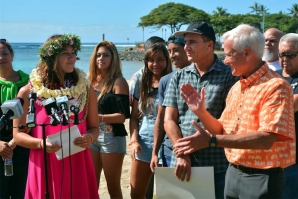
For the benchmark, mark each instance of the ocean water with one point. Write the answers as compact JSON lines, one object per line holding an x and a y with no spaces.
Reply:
{"x":26,"y":58}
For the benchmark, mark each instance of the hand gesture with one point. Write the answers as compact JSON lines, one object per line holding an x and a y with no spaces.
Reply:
{"x":5,"y":150}
{"x":50,"y":148}
{"x":190,"y":144}
{"x":154,"y":162}
{"x":84,"y":141}
{"x":135,"y":149}
{"x":183,"y":168}
{"x":194,"y":100}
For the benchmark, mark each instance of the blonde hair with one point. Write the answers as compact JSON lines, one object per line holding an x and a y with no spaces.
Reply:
{"x":114,"y":69}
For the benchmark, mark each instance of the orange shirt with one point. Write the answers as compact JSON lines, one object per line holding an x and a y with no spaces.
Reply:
{"x":263,"y":102}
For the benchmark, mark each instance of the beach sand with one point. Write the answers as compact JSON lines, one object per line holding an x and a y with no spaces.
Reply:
{"x":125,"y":177}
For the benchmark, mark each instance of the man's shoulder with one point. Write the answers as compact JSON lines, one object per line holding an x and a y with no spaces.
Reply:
{"x":167,"y":77}
{"x":276,"y":80}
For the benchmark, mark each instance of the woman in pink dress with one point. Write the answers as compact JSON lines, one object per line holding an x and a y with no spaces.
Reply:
{"x":57,"y":80}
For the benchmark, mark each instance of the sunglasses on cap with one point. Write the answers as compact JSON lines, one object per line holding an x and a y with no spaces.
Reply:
{"x":174,"y":39}
{"x":2,"y":40}
{"x":288,"y":55}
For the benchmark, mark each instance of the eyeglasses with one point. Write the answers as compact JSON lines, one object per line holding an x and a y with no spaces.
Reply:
{"x":288,"y":55}
{"x":174,"y":39}
{"x":3,"y":41}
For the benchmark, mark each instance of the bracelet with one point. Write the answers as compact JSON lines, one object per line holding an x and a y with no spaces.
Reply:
{"x":102,"y":117}
{"x":90,"y":137}
{"x":132,"y":142}
{"x":40,"y":144}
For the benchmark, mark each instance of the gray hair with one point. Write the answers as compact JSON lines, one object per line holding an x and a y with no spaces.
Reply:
{"x":246,"y":36}
{"x":290,"y":37}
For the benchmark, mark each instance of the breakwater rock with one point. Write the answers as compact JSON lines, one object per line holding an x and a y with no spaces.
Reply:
{"x":139,"y":55}
{"x":132,"y":55}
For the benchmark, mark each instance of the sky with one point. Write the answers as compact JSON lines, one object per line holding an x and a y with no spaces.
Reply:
{"x":36,"y":20}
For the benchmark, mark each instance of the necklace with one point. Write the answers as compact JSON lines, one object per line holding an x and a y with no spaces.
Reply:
{"x":78,"y":93}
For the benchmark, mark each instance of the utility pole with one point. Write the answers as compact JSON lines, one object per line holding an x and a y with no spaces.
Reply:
{"x":162,"y":33}
{"x":263,"y":21}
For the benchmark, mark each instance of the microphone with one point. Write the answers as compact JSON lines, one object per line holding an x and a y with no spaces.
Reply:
{"x":75,"y":111}
{"x":52,"y":109}
{"x":11,"y":109}
{"x":30,"y":119}
{"x":62,"y":102}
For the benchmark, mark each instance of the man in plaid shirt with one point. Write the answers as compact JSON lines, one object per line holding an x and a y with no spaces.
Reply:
{"x":209,"y":72}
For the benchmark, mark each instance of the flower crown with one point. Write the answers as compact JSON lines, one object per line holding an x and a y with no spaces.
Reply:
{"x":56,"y":46}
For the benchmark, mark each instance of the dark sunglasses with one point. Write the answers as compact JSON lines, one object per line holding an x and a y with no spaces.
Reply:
{"x":287,"y":55}
{"x":174,"y":39}
{"x":3,"y":41}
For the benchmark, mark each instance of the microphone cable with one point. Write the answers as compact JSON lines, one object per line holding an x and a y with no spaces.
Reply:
{"x":70,"y":164}
{"x":62,"y":176}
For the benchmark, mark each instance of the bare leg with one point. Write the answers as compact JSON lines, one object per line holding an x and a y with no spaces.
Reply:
{"x":97,"y":162}
{"x":139,"y":179}
{"x":112,"y":167}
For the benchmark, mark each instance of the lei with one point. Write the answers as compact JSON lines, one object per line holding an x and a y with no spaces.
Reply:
{"x":55,"y":47}
{"x":79,"y":92}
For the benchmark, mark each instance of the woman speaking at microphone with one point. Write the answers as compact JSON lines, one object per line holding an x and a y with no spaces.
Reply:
{"x":56,"y":76}
{"x":10,"y":82}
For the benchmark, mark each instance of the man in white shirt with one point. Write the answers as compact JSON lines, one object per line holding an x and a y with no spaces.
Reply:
{"x":270,"y":55}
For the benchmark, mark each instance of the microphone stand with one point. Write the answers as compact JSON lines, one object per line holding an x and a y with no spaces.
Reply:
{"x":53,"y":123}
{"x":47,"y":193}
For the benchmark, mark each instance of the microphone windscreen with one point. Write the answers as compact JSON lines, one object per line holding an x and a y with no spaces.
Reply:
{"x":49,"y":104}
{"x":15,"y":106}
{"x":21,"y":100}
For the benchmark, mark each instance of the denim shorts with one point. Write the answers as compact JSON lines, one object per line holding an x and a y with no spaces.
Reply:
{"x":147,"y":151}
{"x":107,"y":142}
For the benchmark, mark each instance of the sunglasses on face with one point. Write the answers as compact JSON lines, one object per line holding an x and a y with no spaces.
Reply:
{"x":2,"y":40}
{"x":288,"y":55}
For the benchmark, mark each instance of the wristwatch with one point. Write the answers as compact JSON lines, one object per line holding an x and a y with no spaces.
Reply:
{"x":212,"y":142}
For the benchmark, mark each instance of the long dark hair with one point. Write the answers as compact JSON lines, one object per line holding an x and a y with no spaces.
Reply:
{"x":146,"y":82}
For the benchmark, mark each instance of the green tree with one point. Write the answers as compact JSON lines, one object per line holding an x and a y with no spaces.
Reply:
{"x":294,"y":10}
{"x":220,"y":11}
{"x":255,"y":8}
{"x":263,"y":10}
{"x":199,"y":15}
{"x":173,"y":15}
{"x":282,"y":22}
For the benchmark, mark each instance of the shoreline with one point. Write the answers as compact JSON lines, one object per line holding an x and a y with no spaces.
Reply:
{"x":139,"y":55}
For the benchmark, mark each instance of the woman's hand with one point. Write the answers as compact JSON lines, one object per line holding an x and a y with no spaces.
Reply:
{"x":135,"y":149}
{"x":51,"y":148}
{"x":84,"y":141}
{"x":5,"y":150}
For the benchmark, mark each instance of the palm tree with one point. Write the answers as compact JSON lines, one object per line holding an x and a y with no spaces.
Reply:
{"x":294,"y":10}
{"x":263,"y":10}
{"x":255,"y":8}
{"x":220,"y":11}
